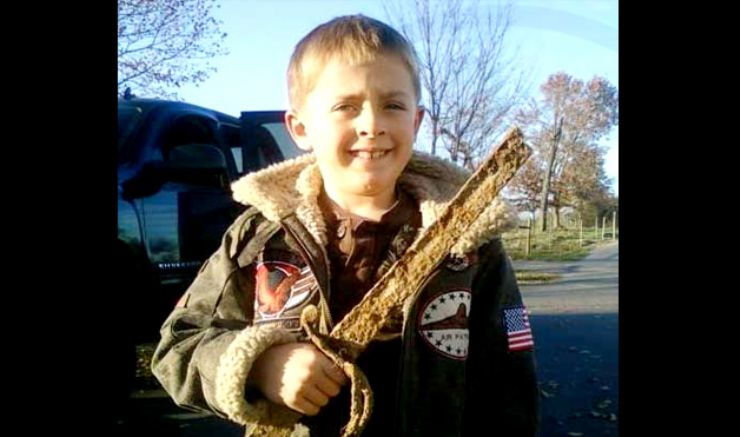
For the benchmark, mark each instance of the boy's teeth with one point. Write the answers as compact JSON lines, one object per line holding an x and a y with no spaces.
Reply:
{"x":370,"y":155}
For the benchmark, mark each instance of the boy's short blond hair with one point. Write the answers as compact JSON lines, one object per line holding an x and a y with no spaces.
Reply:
{"x":355,"y":39}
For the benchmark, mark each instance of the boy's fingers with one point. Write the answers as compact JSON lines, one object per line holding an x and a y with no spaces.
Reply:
{"x":335,"y":373}
{"x":314,"y":396}
{"x":302,"y":405}
{"x":327,"y":385}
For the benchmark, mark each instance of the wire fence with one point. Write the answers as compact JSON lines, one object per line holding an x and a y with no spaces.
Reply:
{"x":572,"y":239}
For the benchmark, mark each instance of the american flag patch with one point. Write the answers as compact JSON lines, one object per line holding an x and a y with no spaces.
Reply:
{"x":517,"y":328}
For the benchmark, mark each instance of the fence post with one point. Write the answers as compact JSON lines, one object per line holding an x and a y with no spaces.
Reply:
{"x":596,"y":227}
{"x":603,"y":226}
{"x":529,"y":237}
{"x":614,"y":225}
{"x":580,"y":233}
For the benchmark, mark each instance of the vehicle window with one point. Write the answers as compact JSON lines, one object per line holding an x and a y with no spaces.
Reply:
{"x":186,"y":222}
{"x":128,"y":226}
{"x":186,"y":130}
{"x":195,"y":130}
{"x":236,"y":152}
{"x":231,"y":138}
{"x":283,"y":139}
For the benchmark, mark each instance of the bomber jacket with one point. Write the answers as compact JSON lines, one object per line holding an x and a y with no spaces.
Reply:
{"x":466,"y":361}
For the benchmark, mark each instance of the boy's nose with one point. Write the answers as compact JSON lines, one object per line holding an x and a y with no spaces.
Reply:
{"x":368,"y":124}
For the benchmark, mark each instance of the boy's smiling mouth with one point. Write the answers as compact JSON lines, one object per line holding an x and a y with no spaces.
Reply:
{"x":369,"y":154}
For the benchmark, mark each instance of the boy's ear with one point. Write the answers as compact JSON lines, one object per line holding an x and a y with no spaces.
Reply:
{"x":297,"y":130}
{"x":417,"y":119}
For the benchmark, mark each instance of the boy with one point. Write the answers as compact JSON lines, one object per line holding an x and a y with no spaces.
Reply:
{"x":320,"y":230}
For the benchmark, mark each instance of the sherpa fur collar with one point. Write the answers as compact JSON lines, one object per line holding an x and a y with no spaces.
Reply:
{"x":293,"y":186}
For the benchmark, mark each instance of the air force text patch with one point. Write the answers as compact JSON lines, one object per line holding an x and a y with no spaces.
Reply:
{"x":443,"y":323}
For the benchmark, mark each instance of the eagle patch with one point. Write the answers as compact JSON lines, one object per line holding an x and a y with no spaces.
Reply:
{"x":280,"y":286}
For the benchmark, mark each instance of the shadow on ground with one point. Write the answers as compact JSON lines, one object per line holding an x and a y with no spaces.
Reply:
{"x":577,"y":366}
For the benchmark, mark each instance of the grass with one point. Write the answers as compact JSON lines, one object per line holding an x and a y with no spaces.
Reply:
{"x":534,"y":277}
{"x":572,"y":254}
{"x":557,"y":245}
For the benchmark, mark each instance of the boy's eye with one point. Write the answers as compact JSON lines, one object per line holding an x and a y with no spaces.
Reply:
{"x":395,"y":106}
{"x":343,"y":107}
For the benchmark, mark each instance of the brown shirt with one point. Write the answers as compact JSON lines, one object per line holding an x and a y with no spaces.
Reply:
{"x":358,"y":246}
{"x":360,"y":251}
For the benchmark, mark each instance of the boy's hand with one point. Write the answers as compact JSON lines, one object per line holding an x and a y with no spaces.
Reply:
{"x":297,"y":375}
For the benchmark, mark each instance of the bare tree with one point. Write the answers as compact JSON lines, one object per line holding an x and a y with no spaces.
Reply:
{"x":164,"y":44}
{"x":566,"y":125}
{"x":470,"y":85}
{"x":549,"y":167}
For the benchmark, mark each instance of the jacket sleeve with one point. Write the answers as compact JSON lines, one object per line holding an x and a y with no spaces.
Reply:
{"x":207,"y":343}
{"x":502,"y":392}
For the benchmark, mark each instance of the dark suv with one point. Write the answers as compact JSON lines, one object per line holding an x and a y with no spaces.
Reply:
{"x":176,"y":162}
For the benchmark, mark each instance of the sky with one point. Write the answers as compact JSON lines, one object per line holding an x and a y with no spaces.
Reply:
{"x":578,"y":37}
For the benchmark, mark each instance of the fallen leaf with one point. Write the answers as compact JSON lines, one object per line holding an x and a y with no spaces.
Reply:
{"x":613,"y":417}
{"x":575,"y":434}
{"x":546,"y":394}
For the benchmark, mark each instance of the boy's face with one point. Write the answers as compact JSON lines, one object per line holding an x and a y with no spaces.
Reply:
{"x":361,"y":122}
